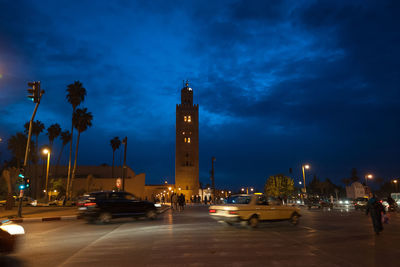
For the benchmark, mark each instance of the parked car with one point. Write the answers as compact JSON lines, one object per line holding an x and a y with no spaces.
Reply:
{"x":360,"y":203}
{"x":26,"y":201}
{"x":253,"y":209}
{"x":105,"y":205}
{"x":9,"y":233}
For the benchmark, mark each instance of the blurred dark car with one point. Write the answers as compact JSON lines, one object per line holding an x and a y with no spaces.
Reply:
{"x":360,"y":203}
{"x":105,"y":205}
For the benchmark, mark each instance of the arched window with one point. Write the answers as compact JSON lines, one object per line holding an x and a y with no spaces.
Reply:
{"x":189,"y":119}
{"x":185,"y":118}
{"x":188,"y":140}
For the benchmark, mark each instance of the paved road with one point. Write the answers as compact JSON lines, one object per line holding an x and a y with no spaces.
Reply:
{"x":191,"y":238}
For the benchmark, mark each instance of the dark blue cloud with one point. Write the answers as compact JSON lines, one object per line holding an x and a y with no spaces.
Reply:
{"x":278,"y":82}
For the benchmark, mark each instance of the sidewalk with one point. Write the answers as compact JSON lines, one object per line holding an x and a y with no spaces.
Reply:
{"x":36,"y":214}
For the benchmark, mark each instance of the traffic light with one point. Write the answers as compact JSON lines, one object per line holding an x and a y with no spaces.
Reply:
{"x":21,"y":179}
{"x":27,"y":183}
{"x":34,"y":91}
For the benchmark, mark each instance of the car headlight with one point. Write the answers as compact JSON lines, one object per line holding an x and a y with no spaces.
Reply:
{"x":340,"y":202}
{"x":346,"y":202}
{"x":13,"y":229}
{"x":157,"y":205}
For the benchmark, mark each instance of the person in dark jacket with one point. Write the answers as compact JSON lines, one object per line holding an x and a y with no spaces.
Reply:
{"x":375,"y":209}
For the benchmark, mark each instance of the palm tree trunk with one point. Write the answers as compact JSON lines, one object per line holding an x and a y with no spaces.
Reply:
{"x":74,"y":169}
{"x":70,"y":156}
{"x":112,"y":170}
{"x":58,"y":161}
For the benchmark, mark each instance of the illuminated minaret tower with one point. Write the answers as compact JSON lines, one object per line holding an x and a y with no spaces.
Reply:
{"x":187,"y":145}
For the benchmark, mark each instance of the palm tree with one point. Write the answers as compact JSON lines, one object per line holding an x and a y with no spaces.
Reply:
{"x":75,"y":95}
{"x":37,"y":128}
{"x":115,"y":144}
{"x":66,"y":138}
{"x":82,"y":119}
{"x":17,"y":145}
{"x":53,"y":132}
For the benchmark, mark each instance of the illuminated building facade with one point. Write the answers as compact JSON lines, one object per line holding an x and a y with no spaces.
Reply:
{"x":187,"y":144}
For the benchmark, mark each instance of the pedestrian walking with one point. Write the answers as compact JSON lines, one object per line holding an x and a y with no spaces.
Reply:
{"x":181,"y":201}
{"x":175,"y":201}
{"x":375,"y":209}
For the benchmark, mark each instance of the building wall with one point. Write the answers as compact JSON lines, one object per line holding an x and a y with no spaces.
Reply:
{"x":355,"y":190}
{"x":187,"y":154}
{"x":101,"y":179}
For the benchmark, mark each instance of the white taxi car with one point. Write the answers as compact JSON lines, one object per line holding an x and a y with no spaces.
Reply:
{"x":253,"y":209}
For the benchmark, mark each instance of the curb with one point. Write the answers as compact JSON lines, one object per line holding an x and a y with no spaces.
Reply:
{"x":47,"y":219}
{"x":163,"y":210}
{"x":63,"y":218}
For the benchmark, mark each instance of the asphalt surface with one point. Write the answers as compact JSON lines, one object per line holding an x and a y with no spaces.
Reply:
{"x":192,"y":238}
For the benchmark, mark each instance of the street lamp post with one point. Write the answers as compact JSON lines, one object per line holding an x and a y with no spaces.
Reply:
{"x":306,"y":166}
{"x":247,"y":189}
{"x":47,"y":151}
{"x":213,"y":178}
{"x":395,"y":184}
{"x":368,"y":176}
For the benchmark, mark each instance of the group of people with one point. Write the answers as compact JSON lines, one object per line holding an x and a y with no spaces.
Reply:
{"x":178,"y":202}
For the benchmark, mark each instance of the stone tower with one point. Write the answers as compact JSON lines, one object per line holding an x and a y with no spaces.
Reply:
{"x":187,"y":145}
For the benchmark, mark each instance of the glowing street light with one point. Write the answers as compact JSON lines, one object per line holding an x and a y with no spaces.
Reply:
{"x":47,"y":151}
{"x":395,"y":183}
{"x":368,"y":176}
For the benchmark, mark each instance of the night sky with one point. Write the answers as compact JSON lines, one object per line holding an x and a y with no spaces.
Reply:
{"x":279,"y":83}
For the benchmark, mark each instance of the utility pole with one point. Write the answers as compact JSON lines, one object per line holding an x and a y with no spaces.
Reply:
{"x":35,"y":95}
{"x":125,"y":142}
{"x":212,"y":178}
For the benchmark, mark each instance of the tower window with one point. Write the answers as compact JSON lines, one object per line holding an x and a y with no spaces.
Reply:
{"x":183,"y":133}
{"x":185,"y":140}
{"x":188,"y":140}
{"x":185,"y":118}
{"x":189,"y":119}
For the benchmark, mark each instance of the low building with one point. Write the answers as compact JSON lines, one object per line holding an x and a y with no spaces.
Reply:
{"x":97,"y":178}
{"x":356,"y":190}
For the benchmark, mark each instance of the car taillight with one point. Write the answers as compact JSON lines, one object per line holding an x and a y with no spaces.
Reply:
{"x":90,"y":204}
{"x":233,"y":212}
{"x":212,"y":211}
